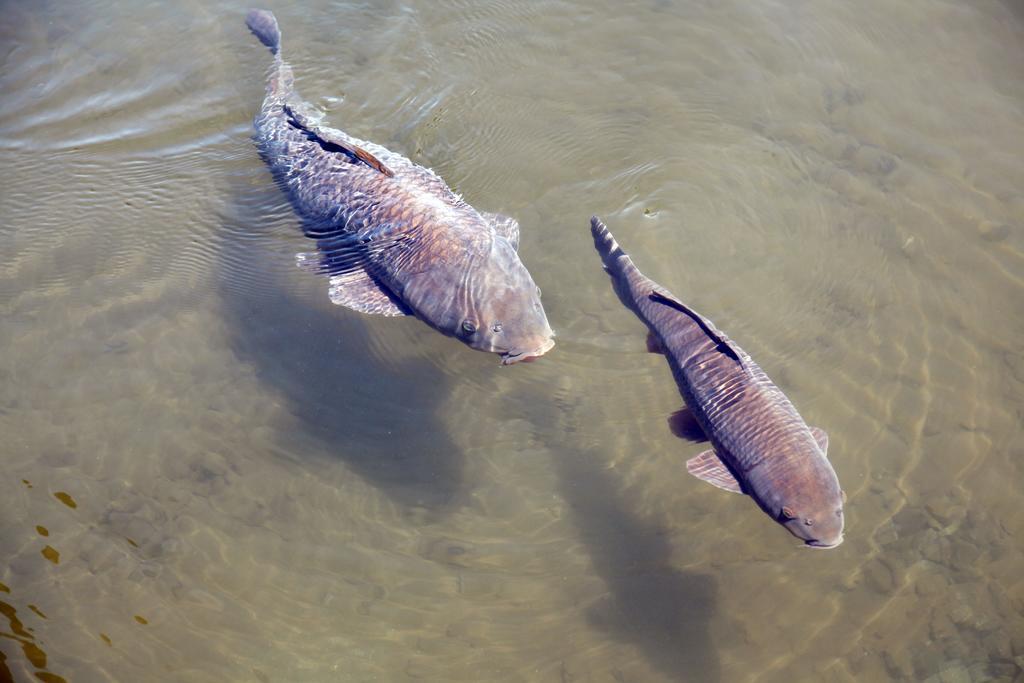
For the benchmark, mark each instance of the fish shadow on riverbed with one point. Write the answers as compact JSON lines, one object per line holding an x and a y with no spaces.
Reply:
{"x":378,"y":414}
{"x":662,"y":610}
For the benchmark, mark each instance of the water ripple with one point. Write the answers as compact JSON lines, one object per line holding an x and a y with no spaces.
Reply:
{"x":255,"y":467}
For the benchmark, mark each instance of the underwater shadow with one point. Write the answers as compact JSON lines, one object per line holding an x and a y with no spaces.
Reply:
{"x":662,"y":610}
{"x":379,"y":415}
{"x":1016,"y":7}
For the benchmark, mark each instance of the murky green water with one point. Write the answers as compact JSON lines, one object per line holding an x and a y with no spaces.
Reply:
{"x":210,"y":473}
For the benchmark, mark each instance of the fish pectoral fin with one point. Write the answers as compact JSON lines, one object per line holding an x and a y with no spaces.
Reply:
{"x":311,"y":262}
{"x":506,"y":226}
{"x":654,"y":344}
{"x":710,"y":468}
{"x":329,"y":137}
{"x":344,"y":252}
{"x":683,"y":424}
{"x":359,"y":291}
{"x":346,"y":259}
{"x":821,"y":437}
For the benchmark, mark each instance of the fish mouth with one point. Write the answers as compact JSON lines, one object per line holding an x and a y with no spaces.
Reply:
{"x":821,"y":545}
{"x":510,"y":357}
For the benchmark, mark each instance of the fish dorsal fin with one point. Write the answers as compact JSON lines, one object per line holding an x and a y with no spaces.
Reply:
{"x":725,"y":345}
{"x":310,"y":261}
{"x":359,"y":291}
{"x":329,"y":137}
{"x":822,"y":438}
{"x":506,"y":226}
{"x":709,"y":467}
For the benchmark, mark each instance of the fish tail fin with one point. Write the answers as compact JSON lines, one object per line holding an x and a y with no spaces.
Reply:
{"x":616,"y":261}
{"x":604,"y":242}
{"x":632,"y":287}
{"x":263,"y":24}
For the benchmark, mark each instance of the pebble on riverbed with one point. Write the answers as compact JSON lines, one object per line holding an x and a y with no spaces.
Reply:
{"x":993,"y":232}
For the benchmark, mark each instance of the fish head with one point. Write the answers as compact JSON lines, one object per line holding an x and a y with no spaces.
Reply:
{"x":489,"y":302}
{"x":817,"y":526}
{"x":815,"y":514}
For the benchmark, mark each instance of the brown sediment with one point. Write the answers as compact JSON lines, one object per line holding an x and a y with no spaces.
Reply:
{"x":5,"y":674}
{"x":17,"y":628}
{"x":50,"y":553}
{"x":4,"y":588}
{"x":34,"y":654}
{"x":65,"y":498}
{"x":141,"y":620}
{"x":42,"y":531}
{"x":106,"y":639}
{"x":131,"y":542}
{"x":27,"y":483}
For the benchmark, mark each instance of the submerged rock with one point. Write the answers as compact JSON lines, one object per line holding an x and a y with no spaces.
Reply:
{"x":993,"y":232}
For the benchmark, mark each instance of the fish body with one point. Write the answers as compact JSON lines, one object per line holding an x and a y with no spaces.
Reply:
{"x":760,"y":444}
{"x":391,"y":236}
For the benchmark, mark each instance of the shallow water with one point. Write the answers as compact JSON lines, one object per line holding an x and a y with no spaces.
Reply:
{"x":211,"y":473}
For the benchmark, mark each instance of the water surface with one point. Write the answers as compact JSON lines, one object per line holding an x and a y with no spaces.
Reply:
{"x":239,"y":481}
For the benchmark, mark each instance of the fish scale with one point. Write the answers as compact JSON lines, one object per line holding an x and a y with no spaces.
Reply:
{"x":319,"y":185}
{"x":394,"y":239}
{"x":761,"y":445}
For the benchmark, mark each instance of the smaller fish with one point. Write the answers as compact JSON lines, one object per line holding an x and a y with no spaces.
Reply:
{"x":760,"y":444}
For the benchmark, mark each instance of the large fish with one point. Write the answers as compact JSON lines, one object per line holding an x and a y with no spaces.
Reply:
{"x":760,"y":444}
{"x":391,"y":236}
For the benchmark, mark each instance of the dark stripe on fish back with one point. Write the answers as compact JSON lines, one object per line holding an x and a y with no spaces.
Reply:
{"x":721,"y":340}
{"x":730,"y":395}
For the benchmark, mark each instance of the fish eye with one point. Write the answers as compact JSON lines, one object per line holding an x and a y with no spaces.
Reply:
{"x":809,"y":522}
{"x":496,"y":327}
{"x":469,"y":326}
{"x":787,"y":513}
